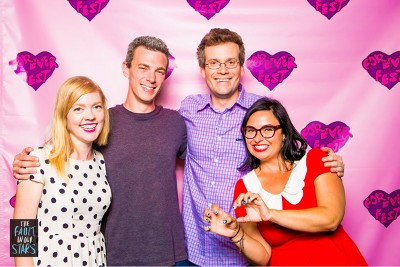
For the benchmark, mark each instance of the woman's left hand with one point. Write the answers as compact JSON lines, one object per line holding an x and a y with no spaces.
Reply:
{"x":255,"y":206}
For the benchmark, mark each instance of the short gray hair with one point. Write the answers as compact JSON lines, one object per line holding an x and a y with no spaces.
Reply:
{"x":148,"y":42}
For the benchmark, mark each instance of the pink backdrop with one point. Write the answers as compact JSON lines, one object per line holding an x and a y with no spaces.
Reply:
{"x":330,"y":83}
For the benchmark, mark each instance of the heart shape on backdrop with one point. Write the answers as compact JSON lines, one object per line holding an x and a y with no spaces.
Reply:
{"x":383,"y":68}
{"x":328,"y":8}
{"x":271,"y":70}
{"x":171,"y":66}
{"x":208,"y":8}
{"x":384,"y":207}
{"x":34,"y":70}
{"x":318,"y":135}
{"x":12,"y":201}
{"x":88,"y":8}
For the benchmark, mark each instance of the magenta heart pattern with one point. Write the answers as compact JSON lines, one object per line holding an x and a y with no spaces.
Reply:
{"x":34,"y":70}
{"x":171,"y":66}
{"x":271,"y":70}
{"x":384,"y":207}
{"x":328,"y":8}
{"x":88,"y":8}
{"x":318,"y":135}
{"x":208,"y":8}
{"x":383,"y":68}
{"x":12,"y":201}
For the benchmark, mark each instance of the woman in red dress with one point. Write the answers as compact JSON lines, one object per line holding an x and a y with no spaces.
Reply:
{"x":289,"y":206}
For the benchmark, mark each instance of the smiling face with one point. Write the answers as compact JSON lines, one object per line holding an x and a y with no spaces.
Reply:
{"x":146,"y":75}
{"x":264,"y":148}
{"x":85,"y":119}
{"x":223,"y":82}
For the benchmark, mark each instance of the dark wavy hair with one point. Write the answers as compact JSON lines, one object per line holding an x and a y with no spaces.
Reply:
{"x":294,"y":145}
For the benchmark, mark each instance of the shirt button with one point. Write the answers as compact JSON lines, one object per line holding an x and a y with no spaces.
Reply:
{"x":216,"y":160}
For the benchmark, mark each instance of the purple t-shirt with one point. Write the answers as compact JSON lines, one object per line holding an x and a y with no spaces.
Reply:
{"x":143,"y":225}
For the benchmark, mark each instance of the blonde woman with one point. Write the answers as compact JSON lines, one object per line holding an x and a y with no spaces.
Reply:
{"x":69,"y":193}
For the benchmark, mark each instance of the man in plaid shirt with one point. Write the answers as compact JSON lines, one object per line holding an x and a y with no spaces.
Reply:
{"x":215,"y":146}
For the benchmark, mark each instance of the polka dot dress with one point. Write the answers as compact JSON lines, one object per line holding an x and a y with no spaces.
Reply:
{"x":70,"y":214}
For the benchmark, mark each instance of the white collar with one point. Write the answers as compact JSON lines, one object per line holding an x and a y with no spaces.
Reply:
{"x":293,"y":191}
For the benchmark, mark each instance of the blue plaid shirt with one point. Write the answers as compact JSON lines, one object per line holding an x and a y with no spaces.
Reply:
{"x":215,"y":151}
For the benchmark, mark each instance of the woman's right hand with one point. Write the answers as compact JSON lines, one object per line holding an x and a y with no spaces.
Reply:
{"x":245,"y":236}
{"x":220,"y":222}
{"x":255,"y":206}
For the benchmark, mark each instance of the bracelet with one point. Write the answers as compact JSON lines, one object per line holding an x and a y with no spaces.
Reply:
{"x":236,"y":233}
{"x":240,"y":241}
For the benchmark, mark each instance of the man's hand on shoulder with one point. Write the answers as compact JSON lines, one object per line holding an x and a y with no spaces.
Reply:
{"x":334,"y":161}
{"x":24,"y":164}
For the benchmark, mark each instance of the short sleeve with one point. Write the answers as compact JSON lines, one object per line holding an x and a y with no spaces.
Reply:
{"x":183,"y":147}
{"x":99,"y":156}
{"x":42,"y":154}
{"x":184,"y":108}
{"x":315,"y":166}
{"x":239,"y":188}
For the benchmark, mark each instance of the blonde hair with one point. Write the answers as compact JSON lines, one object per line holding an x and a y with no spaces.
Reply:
{"x":60,"y":140}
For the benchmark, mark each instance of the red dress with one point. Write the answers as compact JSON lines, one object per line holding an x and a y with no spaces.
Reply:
{"x":291,"y":247}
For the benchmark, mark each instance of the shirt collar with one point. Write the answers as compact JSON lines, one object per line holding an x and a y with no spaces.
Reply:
{"x":293,"y":191}
{"x":242,"y":100}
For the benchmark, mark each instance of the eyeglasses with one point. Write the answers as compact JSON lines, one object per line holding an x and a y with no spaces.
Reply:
{"x":230,"y":64}
{"x":267,"y":131}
